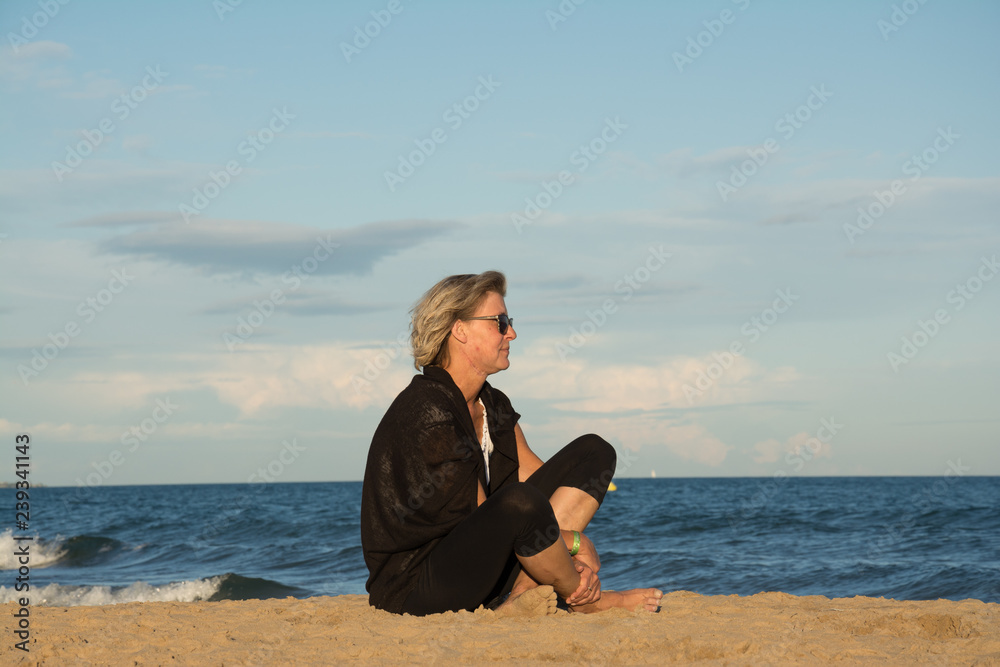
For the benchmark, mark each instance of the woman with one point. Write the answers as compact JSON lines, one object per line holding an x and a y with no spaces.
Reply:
{"x":457,"y":511}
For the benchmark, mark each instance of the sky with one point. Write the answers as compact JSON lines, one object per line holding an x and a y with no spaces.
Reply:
{"x":741,"y":238}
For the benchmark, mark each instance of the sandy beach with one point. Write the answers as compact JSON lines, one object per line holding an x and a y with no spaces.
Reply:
{"x":768,"y":628}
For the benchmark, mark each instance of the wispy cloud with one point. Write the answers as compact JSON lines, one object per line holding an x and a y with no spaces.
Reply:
{"x":683,"y":163}
{"x":771,"y":450}
{"x":326,"y":134}
{"x":222,"y":71}
{"x":125,"y":219}
{"x":223,"y":246}
{"x":306,"y":303}
{"x":36,"y":62}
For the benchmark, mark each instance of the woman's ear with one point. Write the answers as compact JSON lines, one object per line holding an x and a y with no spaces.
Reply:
{"x":459,"y":332}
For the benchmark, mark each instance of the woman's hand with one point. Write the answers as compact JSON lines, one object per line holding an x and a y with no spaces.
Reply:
{"x":589,"y":589}
{"x":587,"y":553}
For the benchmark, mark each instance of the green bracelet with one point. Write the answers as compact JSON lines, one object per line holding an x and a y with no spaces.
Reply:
{"x":576,"y":544}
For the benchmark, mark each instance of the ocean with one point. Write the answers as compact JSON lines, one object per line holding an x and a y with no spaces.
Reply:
{"x":908,"y":538}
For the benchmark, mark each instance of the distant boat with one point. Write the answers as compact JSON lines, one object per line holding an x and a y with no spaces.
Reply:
{"x":612,"y":487}
{"x":652,"y":473}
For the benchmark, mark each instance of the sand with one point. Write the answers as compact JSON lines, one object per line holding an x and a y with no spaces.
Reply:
{"x":763,"y":629}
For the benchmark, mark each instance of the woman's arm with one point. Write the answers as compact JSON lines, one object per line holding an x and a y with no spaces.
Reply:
{"x":528,"y":462}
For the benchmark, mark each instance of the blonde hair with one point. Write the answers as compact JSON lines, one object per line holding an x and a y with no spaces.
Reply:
{"x":454,"y":298}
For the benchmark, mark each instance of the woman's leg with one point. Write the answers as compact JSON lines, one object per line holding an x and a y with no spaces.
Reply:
{"x":468,"y":563}
{"x":576,"y":480}
{"x":587,"y":463}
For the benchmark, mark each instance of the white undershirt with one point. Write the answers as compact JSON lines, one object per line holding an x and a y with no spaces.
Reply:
{"x":485,"y":442}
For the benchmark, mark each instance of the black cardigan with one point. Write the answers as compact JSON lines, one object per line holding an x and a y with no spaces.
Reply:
{"x":420,"y":479}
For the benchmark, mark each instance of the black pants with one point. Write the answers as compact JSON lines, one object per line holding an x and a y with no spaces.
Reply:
{"x":476,"y":561}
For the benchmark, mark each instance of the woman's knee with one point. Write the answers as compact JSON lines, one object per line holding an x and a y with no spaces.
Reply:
{"x":598,"y":460}
{"x":602,"y":454}
{"x":523,"y":500}
{"x":530,"y":515}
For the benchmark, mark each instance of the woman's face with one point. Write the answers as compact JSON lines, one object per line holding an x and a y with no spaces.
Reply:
{"x":488,"y":350}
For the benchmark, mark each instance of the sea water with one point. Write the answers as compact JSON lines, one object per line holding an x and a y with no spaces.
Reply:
{"x":908,"y":538}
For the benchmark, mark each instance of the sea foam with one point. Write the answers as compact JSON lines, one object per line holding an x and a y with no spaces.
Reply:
{"x":58,"y":595}
{"x":41,"y":553}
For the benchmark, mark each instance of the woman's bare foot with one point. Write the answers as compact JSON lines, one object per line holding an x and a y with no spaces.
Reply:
{"x":540,"y":601}
{"x":635,"y":599}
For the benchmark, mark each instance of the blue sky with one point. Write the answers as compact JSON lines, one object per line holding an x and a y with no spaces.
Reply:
{"x":222,"y":274}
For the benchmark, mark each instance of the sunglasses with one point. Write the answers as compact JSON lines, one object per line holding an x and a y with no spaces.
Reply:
{"x":502,"y":321}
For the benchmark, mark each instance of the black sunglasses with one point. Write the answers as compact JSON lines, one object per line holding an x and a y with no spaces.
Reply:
{"x":502,"y":321}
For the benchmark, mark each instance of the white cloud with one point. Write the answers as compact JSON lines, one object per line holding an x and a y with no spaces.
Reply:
{"x":35,"y":61}
{"x":683,"y":163}
{"x":262,"y":377}
{"x":137,"y":143}
{"x":575,"y":384}
{"x":125,"y":219}
{"x":768,"y":451}
{"x":800,"y":444}
{"x":65,"y":432}
{"x":44,"y":50}
{"x":222,"y":71}
{"x":95,"y":86}
{"x":686,"y":441}
{"x":640,"y":405}
{"x":326,"y":134}
{"x":255,"y":378}
{"x":623,"y":403}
